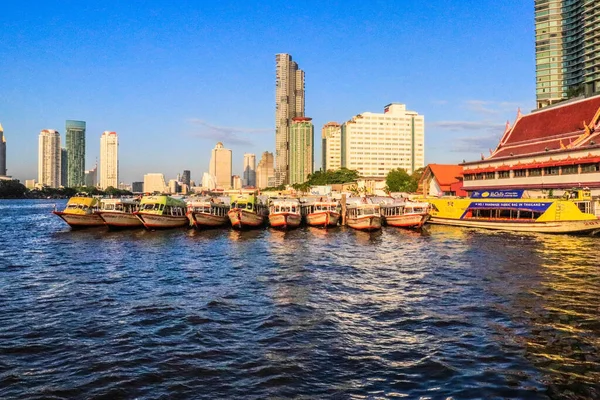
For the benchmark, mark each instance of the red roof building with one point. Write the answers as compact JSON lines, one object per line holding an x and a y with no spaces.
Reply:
{"x":442,"y":180}
{"x":556,"y":147}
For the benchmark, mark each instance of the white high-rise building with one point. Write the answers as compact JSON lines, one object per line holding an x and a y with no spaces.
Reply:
{"x":249,"y":170}
{"x":373,"y":143}
{"x":2,"y":152}
{"x":331,"y":138}
{"x":109,"y":160}
{"x":209,"y":182}
{"x":154,"y":182}
{"x":49,"y":158}
{"x":220,"y":166}
{"x":265,"y":171}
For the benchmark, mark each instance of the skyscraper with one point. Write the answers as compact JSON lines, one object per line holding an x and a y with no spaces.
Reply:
{"x":220,"y":166}
{"x":154,"y":183}
{"x":302,"y":153}
{"x":264,"y":170}
{"x":2,"y":152}
{"x":49,"y":158}
{"x":91,"y":177}
{"x":249,"y":170}
{"x":75,"y":138}
{"x":109,"y":160}
{"x":566,"y":49}
{"x":187,"y":178}
{"x":64,"y":167}
{"x":331,"y":137}
{"x":289,"y":103}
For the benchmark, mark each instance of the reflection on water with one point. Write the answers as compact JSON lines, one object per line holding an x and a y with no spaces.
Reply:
{"x":314,"y":313}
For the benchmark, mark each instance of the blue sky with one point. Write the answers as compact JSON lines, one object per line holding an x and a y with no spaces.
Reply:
{"x":174,"y":78}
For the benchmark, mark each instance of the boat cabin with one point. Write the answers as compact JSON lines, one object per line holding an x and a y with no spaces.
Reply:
{"x":363,"y":210}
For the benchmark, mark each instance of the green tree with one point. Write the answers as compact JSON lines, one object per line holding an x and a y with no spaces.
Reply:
{"x":12,"y":189}
{"x":398,"y":180}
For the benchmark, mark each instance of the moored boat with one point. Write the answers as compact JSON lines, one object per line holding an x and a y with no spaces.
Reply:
{"x":323,"y":214}
{"x":208,"y":212}
{"x":410,"y":214}
{"x":284,"y":213}
{"x":363,"y":216}
{"x":506,"y":210}
{"x":162,"y":212}
{"x":247,"y":212}
{"x":79,"y":212}
{"x":119,"y":213}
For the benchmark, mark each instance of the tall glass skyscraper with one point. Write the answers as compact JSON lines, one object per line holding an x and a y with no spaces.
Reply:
{"x":49,"y":158}
{"x":75,"y":138}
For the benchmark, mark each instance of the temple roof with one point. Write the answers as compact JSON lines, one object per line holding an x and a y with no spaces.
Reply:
{"x":445,"y":174}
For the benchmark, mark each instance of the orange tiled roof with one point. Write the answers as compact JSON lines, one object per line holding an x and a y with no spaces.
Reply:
{"x":446,"y":174}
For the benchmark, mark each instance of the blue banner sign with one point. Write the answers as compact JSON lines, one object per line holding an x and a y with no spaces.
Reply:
{"x":530,"y":206}
{"x":497,"y":194}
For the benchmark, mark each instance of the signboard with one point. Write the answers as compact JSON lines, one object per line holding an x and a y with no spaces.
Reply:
{"x":540,"y":206}
{"x":497,"y":194}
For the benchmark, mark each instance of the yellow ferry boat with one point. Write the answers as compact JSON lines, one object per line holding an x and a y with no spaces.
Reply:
{"x":80,"y":212}
{"x":507,"y":210}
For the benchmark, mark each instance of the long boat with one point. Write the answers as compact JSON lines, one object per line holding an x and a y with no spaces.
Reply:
{"x":323,"y":214}
{"x":119,"y":213}
{"x":208,"y":212}
{"x":409,"y":214}
{"x":507,"y":210}
{"x":162,"y":212}
{"x":363,"y":216}
{"x":247,"y":212}
{"x":284,"y":213}
{"x":80,"y":212}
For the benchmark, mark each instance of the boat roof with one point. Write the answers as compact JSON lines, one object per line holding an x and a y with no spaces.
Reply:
{"x":163,"y":199}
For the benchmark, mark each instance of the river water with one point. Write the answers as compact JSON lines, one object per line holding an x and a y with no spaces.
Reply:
{"x":443,"y":313}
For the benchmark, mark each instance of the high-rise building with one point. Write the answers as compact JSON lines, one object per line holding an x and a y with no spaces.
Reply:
{"x":236,"y":182}
{"x":331,"y":146}
{"x":289,"y":103}
{"x":64,"y":167}
{"x":75,"y":139}
{"x":566,"y":49}
{"x":137,"y":187}
{"x":302,"y":149}
{"x":249,"y":170}
{"x":49,"y":158}
{"x":91,"y":177}
{"x":2,"y":152}
{"x":265,"y":171}
{"x":373,"y":143}
{"x":220,"y":166}
{"x":186,"y":178}
{"x":154,"y":183}
{"x":109,"y":160}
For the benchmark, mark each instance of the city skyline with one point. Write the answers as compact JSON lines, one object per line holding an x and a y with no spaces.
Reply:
{"x":189,"y":79}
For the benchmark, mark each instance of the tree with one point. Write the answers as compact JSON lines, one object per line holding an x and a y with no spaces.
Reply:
{"x":398,"y":180}
{"x":12,"y":189}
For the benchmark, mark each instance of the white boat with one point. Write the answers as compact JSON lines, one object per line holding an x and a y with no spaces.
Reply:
{"x":409,"y":214}
{"x":119,"y":213}
{"x":284,"y":213}
{"x":208,"y":212}
{"x":363,"y":215}
{"x":247,"y":212}
{"x":323,"y":214}
{"x":162,"y":212}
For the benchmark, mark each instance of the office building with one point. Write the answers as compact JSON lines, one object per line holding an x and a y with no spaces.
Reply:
{"x":373,"y":144}
{"x":49,"y":158}
{"x":137,"y":187}
{"x":567,"y":49}
{"x":2,"y":152}
{"x":64,"y":167}
{"x":265,"y":171}
{"x":236,"y":182}
{"x":209,"y":182}
{"x":154,"y":183}
{"x":75,"y":140}
{"x":109,"y":160}
{"x":186,"y":178}
{"x":220,"y":166}
{"x":173,"y":186}
{"x":249,"y":170}
{"x":331,"y":146}
{"x":289,"y":103}
{"x":302,"y":154}
{"x":91,"y":177}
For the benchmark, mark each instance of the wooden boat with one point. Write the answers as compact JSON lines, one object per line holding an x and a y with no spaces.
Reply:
{"x":505,"y":210}
{"x":119,"y":213}
{"x":247,"y":212}
{"x":408,"y":214}
{"x":323,"y":214}
{"x":363,"y":216}
{"x":79,"y":212}
{"x":162,"y":212}
{"x":208,"y":212}
{"x":284,"y":213}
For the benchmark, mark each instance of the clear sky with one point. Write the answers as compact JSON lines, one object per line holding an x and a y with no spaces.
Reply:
{"x":174,"y":78}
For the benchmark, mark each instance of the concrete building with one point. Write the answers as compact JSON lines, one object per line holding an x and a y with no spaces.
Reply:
{"x":64,"y":167}
{"x":546,"y":152}
{"x":566,"y":49}
{"x":75,"y":140}
{"x":249,"y":170}
{"x":49,"y":158}
{"x":91,"y":177}
{"x":173,"y":186}
{"x":220,"y":166}
{"x":302,"y":149}
{"x":289,"y":103}
{"x":2,"y":152}
{"x":331,"y":146}
{"x":265,"y":172}
{"x":186,"y":178}
{"x":237,"y":182}
{"x":209,"y":182}
{"x":154,"y":183}
{"x":137,"y":187}
{"x":109,"y":160}
{"x":30,"y":183}
{"x":373,"y":144}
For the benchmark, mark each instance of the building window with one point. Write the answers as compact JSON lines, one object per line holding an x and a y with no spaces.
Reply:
{"x":468,"y":177}
{"x":490,"y":175}
{"x":551,"y":171}
{"x":478,"y":177}
{"x":535,"y":172}
{"x":569,"y":169}
{"x":587,"y":168}
{"x":503,"y":174}
{"x":519,"y":173}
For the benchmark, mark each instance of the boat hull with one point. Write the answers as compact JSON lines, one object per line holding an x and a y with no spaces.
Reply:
{"x":80,"y":220}
{"x":587,"y":226}
{"x":204,"y":220}
{"x":368,"y":223}
{"x":407,"y":220}
{"x":285,"y":220}
{"x":242,"y":219}
{"x":153,"y":221}
{"x":324,"y":219}
{"x":120,"y":220}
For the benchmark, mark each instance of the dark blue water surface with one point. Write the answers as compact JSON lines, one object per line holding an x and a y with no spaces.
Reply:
{"x":448,"y":312}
